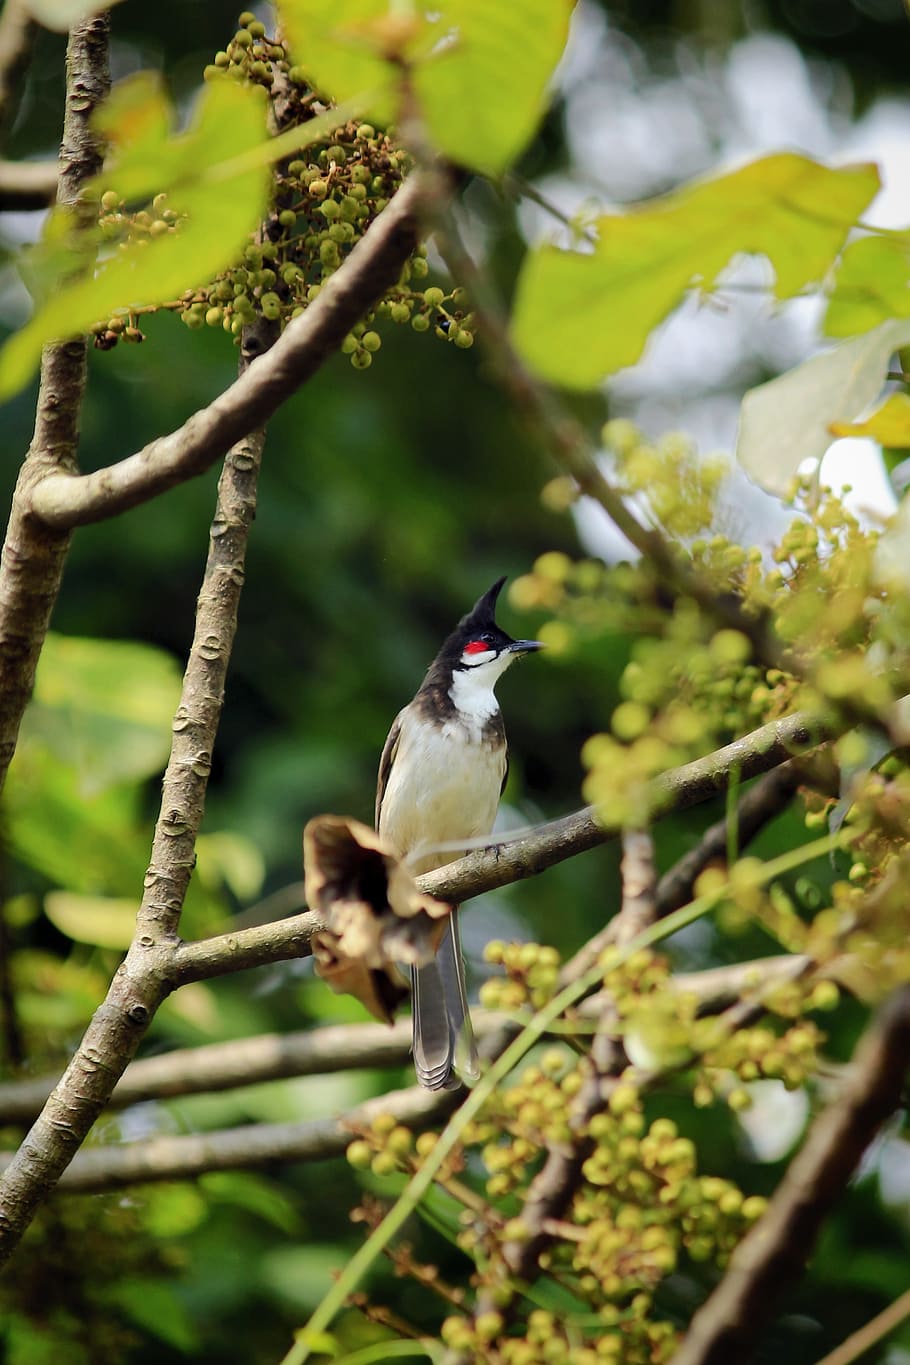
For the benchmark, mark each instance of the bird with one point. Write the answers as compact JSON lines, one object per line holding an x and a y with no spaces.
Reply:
{"x":441,"y":774}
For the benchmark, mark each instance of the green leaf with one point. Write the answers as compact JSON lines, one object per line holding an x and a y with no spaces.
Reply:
{"x":194,"y":169}
{"x":103,"y":707}
{"x":871,"y":285}
{"x":789,"y":419}
{"x":479,"y":68}
{"x":103,"y":921}
{"x":155,"y":1306}
{"x":232,"y":860}
{"x":580,"y":317}
{"x":484,"y":92}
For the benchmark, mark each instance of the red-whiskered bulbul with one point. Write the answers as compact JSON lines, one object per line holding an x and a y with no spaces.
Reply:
{"x":441,"y":775}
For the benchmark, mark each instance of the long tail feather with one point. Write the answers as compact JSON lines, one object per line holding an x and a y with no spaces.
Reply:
{"x":444,"y":1046}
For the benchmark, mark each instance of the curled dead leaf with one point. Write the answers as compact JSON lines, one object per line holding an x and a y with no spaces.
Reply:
{"x":376,"y":916}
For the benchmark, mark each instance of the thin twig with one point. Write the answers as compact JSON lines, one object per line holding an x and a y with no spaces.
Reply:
{"x":773,"y":1254}
{"x":870,"y":1334}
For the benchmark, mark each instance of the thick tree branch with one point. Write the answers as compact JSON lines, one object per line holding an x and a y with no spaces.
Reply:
{"x":66,"y":500}
{"x":249,"y":1148}
{"x":678,"y":789}
{"x":542,"y":847}
{"x":773,"y":1255}
{"x":279,"y":1056}
{"x":31,"y":565}
{"x":141,"y":981}
{"x":27,"y":184}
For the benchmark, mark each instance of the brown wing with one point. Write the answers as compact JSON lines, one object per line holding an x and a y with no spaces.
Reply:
{"x":389,"y":751}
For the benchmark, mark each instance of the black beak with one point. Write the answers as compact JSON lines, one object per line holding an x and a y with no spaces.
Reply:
{"x":525,"y":646}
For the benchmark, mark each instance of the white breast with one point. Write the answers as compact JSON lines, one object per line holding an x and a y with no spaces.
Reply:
{"x":444,"y":786}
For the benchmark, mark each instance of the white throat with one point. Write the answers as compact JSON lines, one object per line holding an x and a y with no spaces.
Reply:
{"x":472,"y":689}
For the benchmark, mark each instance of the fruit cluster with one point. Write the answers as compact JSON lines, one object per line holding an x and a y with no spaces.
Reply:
{"x":324,"y":201}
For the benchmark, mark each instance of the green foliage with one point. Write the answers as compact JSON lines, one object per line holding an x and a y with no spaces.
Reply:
{"x":477,"y":70}
{"x":219,"y":208}
{"x":580,"y":317}
{"x":871,"y":286}
{"x":370,"y":502}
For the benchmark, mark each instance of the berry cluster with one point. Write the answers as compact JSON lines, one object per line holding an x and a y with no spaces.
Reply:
{"x":324,"y":201}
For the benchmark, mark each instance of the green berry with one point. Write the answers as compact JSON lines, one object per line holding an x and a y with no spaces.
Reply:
{"x":297,"y":75}
{"x":271,"y":306}
{"x":256,"y":29}
{"x":359,"y":1154}
{"x":399,"y":312}
{"x":420,"y":322}
{"x":246,"y":18}
{"x":464,"y":339}
{"x":213,"y":317}
{"x":371,"y":341}
{"x":433,"y":296}
{"x":361,"y":360}
{"x":287,"y":218}
{"x":243,"y":38}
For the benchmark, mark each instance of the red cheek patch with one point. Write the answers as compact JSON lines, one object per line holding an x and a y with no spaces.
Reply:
{"x":477,"y":647}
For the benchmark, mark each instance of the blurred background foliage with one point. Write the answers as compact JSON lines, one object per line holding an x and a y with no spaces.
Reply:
{"x":389,"y":500}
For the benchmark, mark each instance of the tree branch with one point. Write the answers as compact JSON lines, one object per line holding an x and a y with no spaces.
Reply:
{"x":773,"y":1254}
{"x":542,"y":847}
{"x":871,"y":1333}
{"x":755,"y":809}
{"x":142,"y":980}
{"x":27,"y":184}
{"x":249,"y":1148}
{"x":280,"y":1056}
{"x":65,"y":500}
{"x":31,"y":564}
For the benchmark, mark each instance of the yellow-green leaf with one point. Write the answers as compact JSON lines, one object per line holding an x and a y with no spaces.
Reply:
{"x":478,"y":68}
{"x":483,"y":92}
{"x":580,"y":317}
{"x":99,"y":920}
{"x":221,"y":211}
{"x":889,"y":424}
{"x":871,"y":285}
